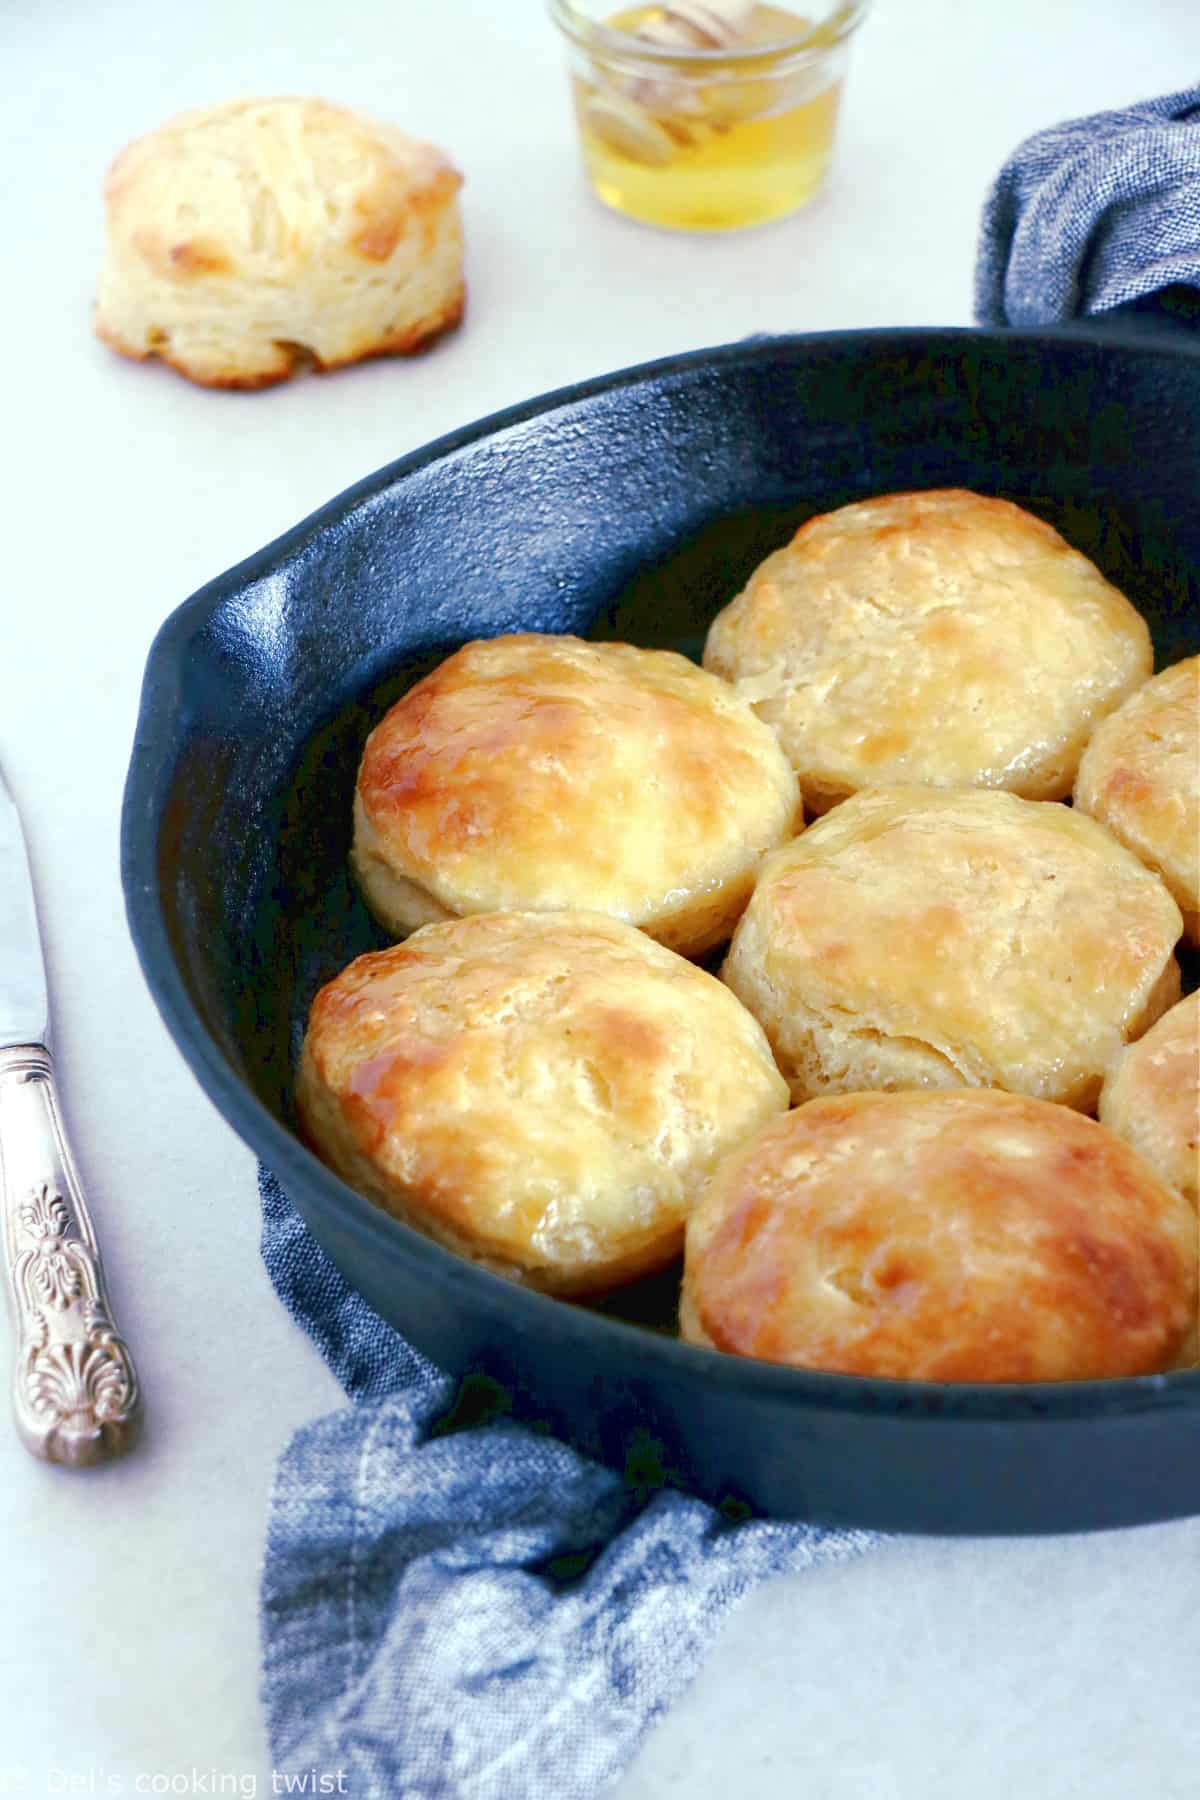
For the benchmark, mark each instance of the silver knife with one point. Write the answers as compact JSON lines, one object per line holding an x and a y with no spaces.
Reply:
{"x":75,"y":1389}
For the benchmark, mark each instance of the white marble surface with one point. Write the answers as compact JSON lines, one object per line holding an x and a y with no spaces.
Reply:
{"x":971,"y":1670}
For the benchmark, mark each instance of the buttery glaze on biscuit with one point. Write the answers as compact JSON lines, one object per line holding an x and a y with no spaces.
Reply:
{"x":544,"y":1094}
{"x":942,"y":1237}
{"x":1140,"y":776}
{"x":249,"y":238}
{"x":913,"y":938}
{"x":546,"y":772}
{"x":1151,"y":1097}
{"x":943,"y":638}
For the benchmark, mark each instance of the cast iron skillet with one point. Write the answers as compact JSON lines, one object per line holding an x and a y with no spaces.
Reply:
{"x":633,"y":506}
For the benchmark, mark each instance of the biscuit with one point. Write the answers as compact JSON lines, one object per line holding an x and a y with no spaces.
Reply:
{"x":915,"y":938}
{"x":942,"y":1237}
{"x":1140,"y":776}
{"x":942,"y":638}
{"x":1151,"y":1097}
{"x":542,"y":773}
{"x":545,"y":1095}
{"x":247,"y":239}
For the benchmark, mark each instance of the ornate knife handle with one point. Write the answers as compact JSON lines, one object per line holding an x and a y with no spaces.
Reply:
{"x":75,"y":1389}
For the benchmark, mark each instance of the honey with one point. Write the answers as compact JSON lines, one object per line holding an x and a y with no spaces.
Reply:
{"x":731,"y":138}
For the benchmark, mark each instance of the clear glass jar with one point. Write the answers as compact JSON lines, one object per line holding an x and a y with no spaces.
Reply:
{"x":706,"y":118}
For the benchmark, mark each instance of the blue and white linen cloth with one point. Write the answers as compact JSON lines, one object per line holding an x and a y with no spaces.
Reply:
{"x":472,"y":1614}
{"x":1094,"y":214}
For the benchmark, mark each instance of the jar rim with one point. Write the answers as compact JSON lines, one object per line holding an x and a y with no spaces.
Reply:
{"x":592,"y":34}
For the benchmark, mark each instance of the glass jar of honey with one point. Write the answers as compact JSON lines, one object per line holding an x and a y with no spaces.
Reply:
{"x":706,"y":117}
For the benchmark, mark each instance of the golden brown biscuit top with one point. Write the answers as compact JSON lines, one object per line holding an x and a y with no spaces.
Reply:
{"x":579,"y":774}
{"x":254,"y":184}
{"x":1015,"y":938}
{"x":957,"y":1236}
{"x":1152,"y":1097}
{"x":940,"y":637}
{"x":547,"y":1082}
{"x":1141,"y":775}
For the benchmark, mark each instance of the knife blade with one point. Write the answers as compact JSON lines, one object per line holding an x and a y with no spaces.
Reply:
{"x":76,"y":1394}
{"x":24,"y":1008}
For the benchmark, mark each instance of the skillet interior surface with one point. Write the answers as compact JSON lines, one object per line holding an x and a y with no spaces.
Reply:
{"x":633,"y":507}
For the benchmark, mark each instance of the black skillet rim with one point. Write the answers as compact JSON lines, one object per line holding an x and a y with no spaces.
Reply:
{"x":148,"y":782}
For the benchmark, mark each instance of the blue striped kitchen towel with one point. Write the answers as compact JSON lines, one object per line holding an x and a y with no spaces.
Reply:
{"x":1095,"y":214}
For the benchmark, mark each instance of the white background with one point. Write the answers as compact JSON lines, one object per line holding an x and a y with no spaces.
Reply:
{"x":966,"y":1670}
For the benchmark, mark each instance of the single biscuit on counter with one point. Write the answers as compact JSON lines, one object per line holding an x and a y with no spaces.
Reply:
{"x":914,"y":938}
{"x":545,"y":1094}
{"x":1151,"y":1097}
{"x":1140,"y":776}
{"x":942,"y":1237}
{"x":541,"y":773}
{"x":943,"y":638}
{"x":247,"y":239}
